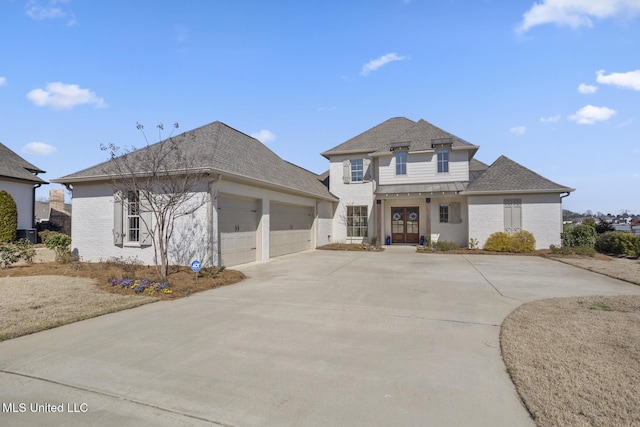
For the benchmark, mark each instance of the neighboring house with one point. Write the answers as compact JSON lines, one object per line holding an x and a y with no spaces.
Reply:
{"x":402,"y":180}
{"x":19,"y":178}
{"x":54,"y":214}
{"x":258,"y":206}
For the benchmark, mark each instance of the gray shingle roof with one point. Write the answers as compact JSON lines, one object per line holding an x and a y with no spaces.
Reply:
{"x":374,"y":138}
{"x":395,"y":132}
{"x":14,"y":166}
{"x":505,"y":175}
{"x":227,"y":150}
{"x":421,"y":137}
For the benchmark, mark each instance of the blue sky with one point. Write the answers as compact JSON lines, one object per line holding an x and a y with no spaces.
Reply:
{"x":553,"y":85}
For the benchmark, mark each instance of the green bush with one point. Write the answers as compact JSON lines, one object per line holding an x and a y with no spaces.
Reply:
{"x":519,"y":242}
{"x":8,"y":255}
{"x":577,"y":250}
{"x":580,"y":235}
{"x":618,"y":243}
{"x":25,"y":250}
{"x":603,"y":226}
{"x":498,"y":242}
{"x":8,"y":218}
{"x":522,"y":241}
{"x":60,"y":244}
{"x":446,"y":246}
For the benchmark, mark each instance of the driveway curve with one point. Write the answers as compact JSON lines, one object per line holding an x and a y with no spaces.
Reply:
{"x":313,"y":339}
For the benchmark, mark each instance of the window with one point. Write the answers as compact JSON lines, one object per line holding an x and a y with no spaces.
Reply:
{"x":357,"y":221}
{"x":443,"y":161}
{"x":357,"y":170}
{"x":444,"y":213}
{"x":401,"y":163}
{"x":133,"y":217}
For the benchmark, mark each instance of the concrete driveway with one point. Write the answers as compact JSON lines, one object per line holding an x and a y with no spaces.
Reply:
{"x":314,"y":339}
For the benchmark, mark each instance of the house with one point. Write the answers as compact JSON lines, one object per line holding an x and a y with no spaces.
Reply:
{"x":19,"y":178}
{"x":402,"y":179}
{"x":256,"y":206}
{"x":54,"y":214}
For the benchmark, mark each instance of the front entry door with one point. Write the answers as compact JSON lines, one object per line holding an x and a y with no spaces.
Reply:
{"x":405,"y":225}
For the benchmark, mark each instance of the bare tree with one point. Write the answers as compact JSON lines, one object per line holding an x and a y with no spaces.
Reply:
{"x":158,"y":184}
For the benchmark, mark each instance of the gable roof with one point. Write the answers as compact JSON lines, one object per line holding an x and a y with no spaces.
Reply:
{"x":15,"y":167}
{"x":507,"y":176}
{"x":374,"y":138}
{"x":423,"y":136}
{"x":225,"y":150}
{"x":400,"y":132}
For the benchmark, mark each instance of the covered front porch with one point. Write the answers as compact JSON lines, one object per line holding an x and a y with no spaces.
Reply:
{"x":419,"y":213}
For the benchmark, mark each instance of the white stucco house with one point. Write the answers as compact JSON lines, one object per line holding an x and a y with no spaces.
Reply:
{"x":400,"y":179}
{"x":256,"y":206}
{"x":20,"y":179}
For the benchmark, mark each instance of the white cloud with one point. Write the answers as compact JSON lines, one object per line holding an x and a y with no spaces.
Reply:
{"x":576,"y":13}
{"x":264,"y":136}
{"x":518,"y":130}
{"x":630,"y":79}
{"x":39,"y":148}
{"x":41,"y":10}
{"x":64,"y":96}
{"x":379,"y":62}
{"x":3,"y":81}
{"x":590,"y":114}
{"x":587,"y":89}
{"x":552,"y":119}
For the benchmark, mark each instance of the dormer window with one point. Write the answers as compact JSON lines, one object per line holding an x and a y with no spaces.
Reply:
{"x":401,"y":162}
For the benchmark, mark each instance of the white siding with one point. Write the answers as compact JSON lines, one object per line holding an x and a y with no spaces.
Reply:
{"x":352,"y":194}
{"x":22,"y":194}
{"x":423,"y":168}
{"x":541,"y":216}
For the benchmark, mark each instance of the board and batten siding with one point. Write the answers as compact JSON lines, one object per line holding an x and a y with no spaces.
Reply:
{"x":541,"y":216}
{"x":423,"y":168}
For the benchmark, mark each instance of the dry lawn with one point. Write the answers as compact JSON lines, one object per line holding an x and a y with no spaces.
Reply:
{"x":576,"y":361}
{"x":45,"y":295}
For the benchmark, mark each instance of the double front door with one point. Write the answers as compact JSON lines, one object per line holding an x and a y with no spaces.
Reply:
{"x":405,"y":223}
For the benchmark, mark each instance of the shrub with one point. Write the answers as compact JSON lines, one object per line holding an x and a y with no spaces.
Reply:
{"x":580,"y":235}
{"x":577,"y":250}
{"x":522,"y":241}
{"x":519,"y":242}
{"x":25,"y":250}
{"x":603,"y":226}
{"x":8,"y":255}
{"x":8,"y":218}
{"x":498,"y":242}
{"x":446,"y":246}
{"x":618,"y":243}
{"x":60,"y":244}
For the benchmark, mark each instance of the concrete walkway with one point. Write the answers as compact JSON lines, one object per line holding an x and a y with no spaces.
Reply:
{"x":316,"y":339}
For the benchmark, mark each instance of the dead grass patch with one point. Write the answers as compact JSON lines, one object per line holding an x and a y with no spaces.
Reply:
{"x":36,"y":297}
{"x":576,"y":361}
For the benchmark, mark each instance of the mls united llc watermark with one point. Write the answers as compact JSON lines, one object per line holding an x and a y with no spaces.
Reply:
{"x":22,"y":407}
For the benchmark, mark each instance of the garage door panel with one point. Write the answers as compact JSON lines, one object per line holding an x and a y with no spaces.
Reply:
{"x":291,"y":228}
{"x":237,"y":224}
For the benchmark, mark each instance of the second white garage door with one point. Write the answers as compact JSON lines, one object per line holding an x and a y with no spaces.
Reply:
{"x":238,"y":223}
{"x":291,"y":228}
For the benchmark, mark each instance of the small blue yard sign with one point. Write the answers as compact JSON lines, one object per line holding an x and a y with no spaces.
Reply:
{"x":196,"y":266}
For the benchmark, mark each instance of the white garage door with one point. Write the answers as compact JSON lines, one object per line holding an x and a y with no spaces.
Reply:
{"x":237,"y":222}
{"x":290,"y":229}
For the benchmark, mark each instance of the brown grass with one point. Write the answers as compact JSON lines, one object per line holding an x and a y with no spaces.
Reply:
{"x":576,"y":361}
{"x":42,"y":296}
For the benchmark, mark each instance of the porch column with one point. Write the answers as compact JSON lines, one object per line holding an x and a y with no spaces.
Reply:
{"x":379,"y":222}
{"x":428,"y":224}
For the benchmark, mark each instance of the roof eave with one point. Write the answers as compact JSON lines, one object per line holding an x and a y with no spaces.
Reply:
{"x":490,"y":192}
